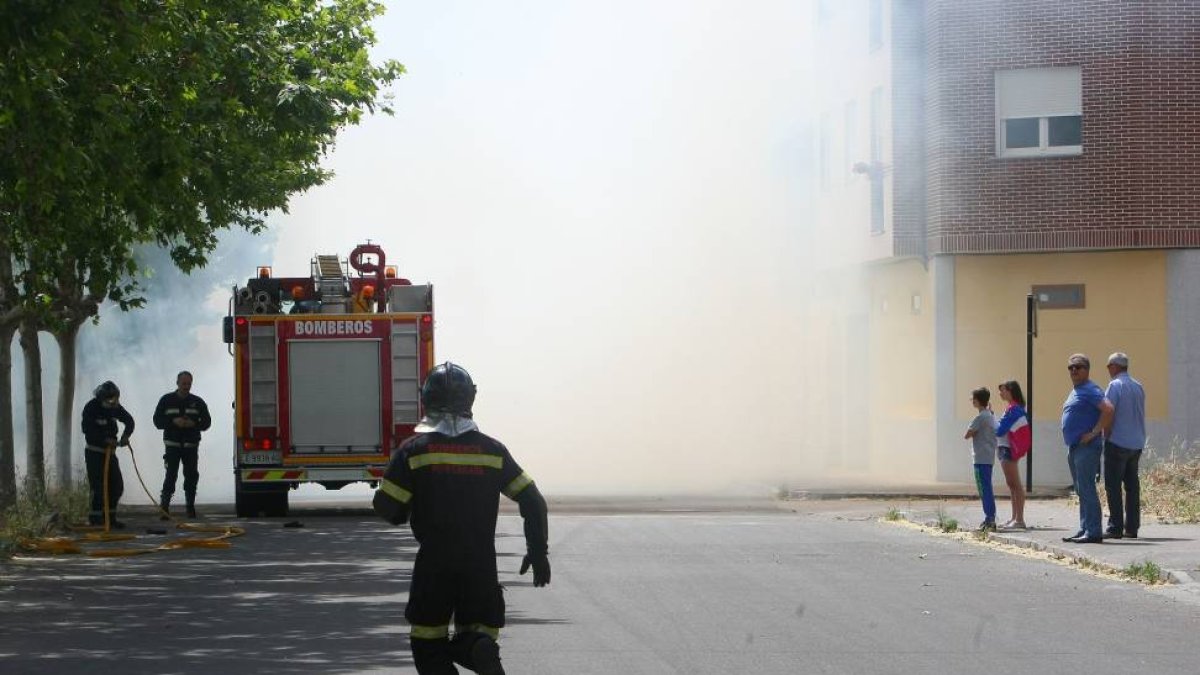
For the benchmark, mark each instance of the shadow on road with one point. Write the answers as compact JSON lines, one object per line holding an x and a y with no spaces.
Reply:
{"x":325,"y":598}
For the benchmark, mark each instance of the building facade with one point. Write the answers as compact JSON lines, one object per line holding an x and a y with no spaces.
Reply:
{"x":1006,"y":148}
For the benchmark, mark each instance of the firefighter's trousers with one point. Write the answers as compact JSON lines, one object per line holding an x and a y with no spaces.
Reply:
{"x":95,"y":473}
{"x":189,"y":458}
{"x":446,"y":588}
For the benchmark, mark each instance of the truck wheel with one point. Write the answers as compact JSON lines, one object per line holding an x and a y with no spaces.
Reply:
{"x":246,"y":504}
{"x":275,"y":504}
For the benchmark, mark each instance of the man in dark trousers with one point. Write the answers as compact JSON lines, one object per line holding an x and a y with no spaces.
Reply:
{"x":100,"y":433}
{"x":182,"y":416}
{"x":446,"y":482}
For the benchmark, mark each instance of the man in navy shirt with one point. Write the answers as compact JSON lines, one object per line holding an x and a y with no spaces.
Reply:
{"x":1086,"y":414}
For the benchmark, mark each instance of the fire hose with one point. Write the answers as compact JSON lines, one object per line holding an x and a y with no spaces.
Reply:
{"x":98,"y":533}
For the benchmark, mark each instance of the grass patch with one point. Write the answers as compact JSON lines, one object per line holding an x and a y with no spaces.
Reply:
{"x":1147,"y":572}
{"x":944,"y":522}
{"x":892,"y":514}
{"x":1171,"y":483}
{"x":39,"y":514}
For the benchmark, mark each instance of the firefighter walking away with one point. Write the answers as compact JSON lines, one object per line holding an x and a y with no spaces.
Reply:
{"x":445,"y":482}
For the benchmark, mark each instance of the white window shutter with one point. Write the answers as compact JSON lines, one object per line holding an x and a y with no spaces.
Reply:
{"x":1039,"y":92}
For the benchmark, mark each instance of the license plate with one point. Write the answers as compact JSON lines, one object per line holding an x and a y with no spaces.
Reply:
{"x":262,"y":457}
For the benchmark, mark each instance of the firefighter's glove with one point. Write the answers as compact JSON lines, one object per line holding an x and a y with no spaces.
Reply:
{"x":541,"y":569}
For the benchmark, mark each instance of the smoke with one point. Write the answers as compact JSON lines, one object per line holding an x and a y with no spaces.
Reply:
{"x":611,"y":200}
{"x":143,"y":349}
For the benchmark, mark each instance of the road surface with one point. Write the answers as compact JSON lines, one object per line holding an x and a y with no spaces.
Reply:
{"x":825,"y":589}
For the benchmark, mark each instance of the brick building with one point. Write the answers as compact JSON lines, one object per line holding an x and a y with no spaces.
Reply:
{"x":1006,"y":147}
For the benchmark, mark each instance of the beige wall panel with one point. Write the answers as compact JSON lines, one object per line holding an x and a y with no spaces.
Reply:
{"x":1125,"y":311}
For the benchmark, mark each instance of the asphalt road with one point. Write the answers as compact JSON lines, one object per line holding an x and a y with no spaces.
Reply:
{"x":670,"y":591}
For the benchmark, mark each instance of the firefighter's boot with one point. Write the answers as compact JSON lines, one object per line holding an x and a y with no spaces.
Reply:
{"x":191,"y":505}
{"x":432,"y":657}
{"x":164,"y":505}
{"x":478,"y":652}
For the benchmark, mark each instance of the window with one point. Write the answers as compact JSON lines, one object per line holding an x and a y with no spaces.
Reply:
{"x":1039,"y":112}
{"x":876,"y":175}
{"x":825,"y":168}
{"x":875,"y":24}
{"x":1060,"y":296}
{"x":850,"y":139}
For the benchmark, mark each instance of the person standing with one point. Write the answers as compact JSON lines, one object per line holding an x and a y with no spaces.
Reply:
{"x":982,"y":433}
{"x":1123,"y":446}
{"x":100,"y":433}
{"x":1014,"y":437}
{"x":1086,"y":414}
{"x":446,"y":481}
{"x":182,"y":416}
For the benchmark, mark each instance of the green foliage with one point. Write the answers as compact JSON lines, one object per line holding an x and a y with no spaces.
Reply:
{"x":42,"y":514}
{"x":130,"y":121}
{"x":944,"y":522}
{"x":1147,"y":572}
{"x":892,"y":514}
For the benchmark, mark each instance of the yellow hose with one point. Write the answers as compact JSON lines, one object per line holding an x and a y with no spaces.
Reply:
{"x":72,"y":545}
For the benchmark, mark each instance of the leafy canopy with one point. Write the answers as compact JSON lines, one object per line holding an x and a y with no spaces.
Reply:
{"x":166,"y":121}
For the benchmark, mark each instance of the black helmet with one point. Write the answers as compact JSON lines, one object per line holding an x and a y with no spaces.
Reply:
{"x":448,"y":389}
{"x":107,"y":390}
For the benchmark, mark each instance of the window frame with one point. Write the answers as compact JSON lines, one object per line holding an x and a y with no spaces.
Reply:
{"x":1043,"y":149}
{"x":1042,"y":110}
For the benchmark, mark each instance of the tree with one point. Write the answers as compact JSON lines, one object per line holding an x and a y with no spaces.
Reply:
{"x":165,"y":121}
{"x":10,"y":318}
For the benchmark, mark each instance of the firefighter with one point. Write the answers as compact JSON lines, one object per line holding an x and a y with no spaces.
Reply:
{"x":446,"y":481}
{"x":364,"y":300}
{"x":182,"y":416}
{"x":99,"y":423}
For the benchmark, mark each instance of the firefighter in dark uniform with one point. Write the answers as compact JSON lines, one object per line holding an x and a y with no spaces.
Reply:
{"x":182,"y":416}
{"x":102,"y":436}
{"x":446,"y":481}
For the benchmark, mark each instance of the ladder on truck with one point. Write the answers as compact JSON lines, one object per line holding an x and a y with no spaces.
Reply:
{"x":331,"y":276}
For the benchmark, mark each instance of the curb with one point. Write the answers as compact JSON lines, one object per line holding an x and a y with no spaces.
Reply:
{"x":1171,"y":576}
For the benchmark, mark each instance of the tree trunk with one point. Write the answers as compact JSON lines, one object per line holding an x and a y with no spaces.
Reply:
{"x":35,"y":433}
{"x":66,"y":403}
{"x":8,"y":468}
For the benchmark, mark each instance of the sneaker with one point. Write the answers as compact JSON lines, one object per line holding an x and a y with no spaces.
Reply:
{"x":1113,"y":534}
{"x":1132,"y":534}
{"x":987,"y":526}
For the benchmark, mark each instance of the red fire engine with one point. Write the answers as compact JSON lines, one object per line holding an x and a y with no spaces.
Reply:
{"x":329,"y":369}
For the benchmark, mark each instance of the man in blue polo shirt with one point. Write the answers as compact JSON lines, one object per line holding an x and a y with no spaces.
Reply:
{"x":1086,"y":414}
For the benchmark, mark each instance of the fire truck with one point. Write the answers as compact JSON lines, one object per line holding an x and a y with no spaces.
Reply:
{"x":328,"y":372}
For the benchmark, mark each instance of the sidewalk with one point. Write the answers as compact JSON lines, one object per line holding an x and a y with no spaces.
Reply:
{"x":1174,"y":548}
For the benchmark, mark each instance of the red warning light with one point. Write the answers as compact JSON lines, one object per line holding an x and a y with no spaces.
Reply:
{"x":241,"y":321}
{"x":265,"y":444}
{"x":247,"y":444}
{"x":427,"y":319}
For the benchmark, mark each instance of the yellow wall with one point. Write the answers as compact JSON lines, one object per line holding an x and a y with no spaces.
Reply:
{"x":1126,"y":310}
{"x":901,"y":379}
